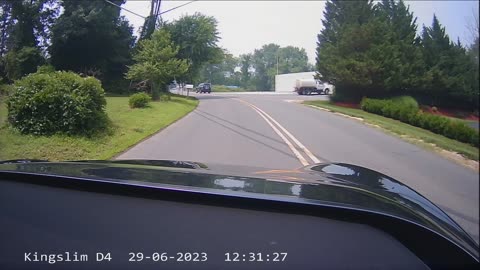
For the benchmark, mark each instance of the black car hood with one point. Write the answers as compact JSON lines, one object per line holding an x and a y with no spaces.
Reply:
{"x":332,"y":184}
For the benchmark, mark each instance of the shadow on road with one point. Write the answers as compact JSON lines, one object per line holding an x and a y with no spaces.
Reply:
{"x":209,"y":117}
{"x":241,"y":127}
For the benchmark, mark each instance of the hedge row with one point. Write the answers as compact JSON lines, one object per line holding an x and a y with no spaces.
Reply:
{"x":409,"y":114}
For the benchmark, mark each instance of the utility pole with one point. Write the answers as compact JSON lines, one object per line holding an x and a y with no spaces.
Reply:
{"x":277,"y":64}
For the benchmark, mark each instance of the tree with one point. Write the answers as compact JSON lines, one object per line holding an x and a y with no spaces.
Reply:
{"x":264,"y":62}
{"x":222,"y":73}
{"x":156,"y":60}
{"x":91,"y":37}
{"x":451,"y":78}
{"x":197,"y":37}
{"x":245,"y":65}
{"x":30,"y":21}
{"x":348,"y":48}
{"x":25,"y":32}
{"x":401,"y":54}
{"x":292,"y":59}
{"x":22,"y":61}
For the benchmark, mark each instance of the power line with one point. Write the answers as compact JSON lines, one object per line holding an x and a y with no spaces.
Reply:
{"x":177,"y":7}
{"x":125,"y":9}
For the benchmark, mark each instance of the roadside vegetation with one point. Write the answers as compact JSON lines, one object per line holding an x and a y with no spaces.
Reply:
{"x":405,"y":131}
{"x":128,"y":127}
{"x":372,"y":50}
{"x":406,"y":109}
{"x":224,"y":88}
{"x":378,"y":63}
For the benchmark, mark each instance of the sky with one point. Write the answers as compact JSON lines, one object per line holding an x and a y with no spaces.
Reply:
{"x":247,"y":25}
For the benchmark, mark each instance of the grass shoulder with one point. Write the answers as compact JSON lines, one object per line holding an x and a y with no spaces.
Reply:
{"x":129,"y":126}
{"x":407,"y":132}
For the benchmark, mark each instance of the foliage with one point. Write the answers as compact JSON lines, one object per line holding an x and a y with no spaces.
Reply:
{"x":408,"y":132}
{"x":156,"y":61}
{"x":450,"y":74}
{"x":406,"y":112}
{"x":245,"y":65}
{"x":196,"y":37}
{"x":46,"y":69}
{"x":165,"y":97}
{"x":128,"y":128}
{"x":22,"y":61}
{"x":369,"y":50}
{"x":224,"y":88}
{"x":91,"y":37}
{"x":139,"y":100}
{"x":271,"y":60}
{"x":26,"y":23}
{"x":223,"y":72}
{"x":406,"y":101}
{"x":5,"y":89}
{"x":46,"y":103}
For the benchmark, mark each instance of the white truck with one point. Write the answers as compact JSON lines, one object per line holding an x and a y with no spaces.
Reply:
{"x":309,"y":86}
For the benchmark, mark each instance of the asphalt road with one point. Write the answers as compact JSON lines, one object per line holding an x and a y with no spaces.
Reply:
{"x":231,"y":129}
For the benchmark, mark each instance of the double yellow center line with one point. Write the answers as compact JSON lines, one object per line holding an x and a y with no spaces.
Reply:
{"x":293,"y":144}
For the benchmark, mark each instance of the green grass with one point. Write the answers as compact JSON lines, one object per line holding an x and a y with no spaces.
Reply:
{"x":223,"y":88}
{"x":405,"y":131}
{"x":129,"y":126}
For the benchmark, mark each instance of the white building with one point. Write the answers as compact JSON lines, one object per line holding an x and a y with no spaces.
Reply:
{"x":286,"y":82}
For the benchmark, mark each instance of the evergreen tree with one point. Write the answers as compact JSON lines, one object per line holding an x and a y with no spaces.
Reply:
{"x":449,"y":79}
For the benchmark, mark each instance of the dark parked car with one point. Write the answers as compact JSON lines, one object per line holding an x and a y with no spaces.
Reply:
{"x":204,"y":88}
{"x":187,"y":215}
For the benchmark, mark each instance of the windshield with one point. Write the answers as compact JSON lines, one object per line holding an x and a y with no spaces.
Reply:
{"x":387,"y":85}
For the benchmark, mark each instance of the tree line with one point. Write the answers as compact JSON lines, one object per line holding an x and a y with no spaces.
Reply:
{"x":257,"y":70}
{"x":91,"y":38}
{"x":373,"y":50}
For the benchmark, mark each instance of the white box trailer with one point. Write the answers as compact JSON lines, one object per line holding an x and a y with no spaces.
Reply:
{"x":286,"y":82}
{"x":291,"y":82}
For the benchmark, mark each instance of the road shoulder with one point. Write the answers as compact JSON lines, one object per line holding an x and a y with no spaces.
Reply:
{"x":457,"y":157}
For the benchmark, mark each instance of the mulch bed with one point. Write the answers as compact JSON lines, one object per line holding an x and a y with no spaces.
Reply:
{"x":348,"y":105}
{"x":451,"y":113}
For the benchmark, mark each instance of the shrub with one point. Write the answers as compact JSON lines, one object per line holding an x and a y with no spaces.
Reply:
{"x":45,"y":69}
{"x":165,"y":97}
{"x":139,"y":100}
{"x":5,"y":89}
{"x":406,"y":102}
{"x":47,"y":103}
{"x":407,"y":111}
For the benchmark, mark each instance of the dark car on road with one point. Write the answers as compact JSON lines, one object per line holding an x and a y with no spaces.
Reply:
{"x":204,"y":88}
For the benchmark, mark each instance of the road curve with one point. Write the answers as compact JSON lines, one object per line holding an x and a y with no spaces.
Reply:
{"x":236,"y":129}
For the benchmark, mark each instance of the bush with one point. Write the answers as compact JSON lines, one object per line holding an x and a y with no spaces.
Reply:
{"x":165,"y":97}
{"x":5,"y":89}
{"x":47,"y":103}
{"x":45,"y":69}
{"x":406,"y":110}
{"x":406,"y":102}
{"x":139,"y":100}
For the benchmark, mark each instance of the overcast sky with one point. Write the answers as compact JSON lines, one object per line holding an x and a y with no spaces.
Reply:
{"x":247,"y":25}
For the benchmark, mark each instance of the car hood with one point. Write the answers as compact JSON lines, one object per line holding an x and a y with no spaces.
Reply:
{"x":332,"y":184}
